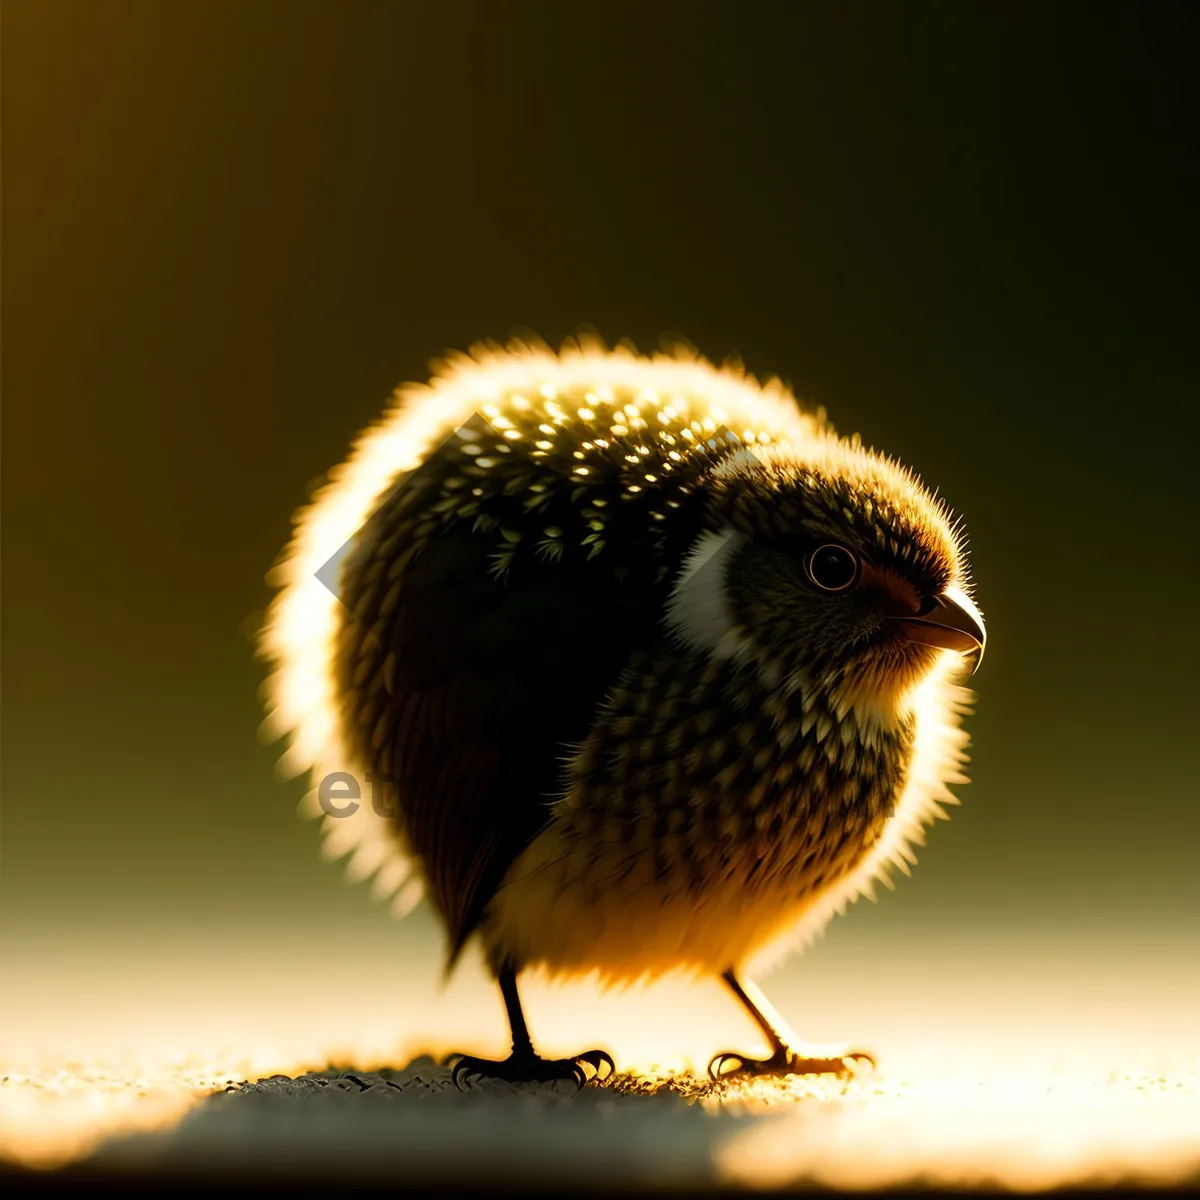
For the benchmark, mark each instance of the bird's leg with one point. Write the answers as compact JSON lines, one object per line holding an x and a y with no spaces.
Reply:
{"x":523,"y":1065}
{"x":789,"y":1056}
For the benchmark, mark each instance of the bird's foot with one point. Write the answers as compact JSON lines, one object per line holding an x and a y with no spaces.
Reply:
{"x":730,"y":1065}
{"x":523,"y":1066}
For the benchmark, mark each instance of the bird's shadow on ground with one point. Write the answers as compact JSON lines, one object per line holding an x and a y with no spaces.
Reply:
{"x":414,"y":1125}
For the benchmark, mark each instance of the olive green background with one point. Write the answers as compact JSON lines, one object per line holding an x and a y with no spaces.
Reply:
{"x":230,"y":229}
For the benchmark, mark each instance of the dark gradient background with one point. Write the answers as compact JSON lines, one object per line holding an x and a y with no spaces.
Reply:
{"x":230,"y":229}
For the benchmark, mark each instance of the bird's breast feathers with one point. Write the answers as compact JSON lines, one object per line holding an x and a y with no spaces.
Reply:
{"x":719,"y":820}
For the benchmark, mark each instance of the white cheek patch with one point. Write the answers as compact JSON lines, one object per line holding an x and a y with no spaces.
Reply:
{"x":698,"y":609}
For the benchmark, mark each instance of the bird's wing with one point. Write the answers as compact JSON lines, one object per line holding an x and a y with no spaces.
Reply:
{"x":468,"y":690}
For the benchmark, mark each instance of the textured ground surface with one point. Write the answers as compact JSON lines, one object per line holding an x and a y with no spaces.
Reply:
{"x":953,"y":1128}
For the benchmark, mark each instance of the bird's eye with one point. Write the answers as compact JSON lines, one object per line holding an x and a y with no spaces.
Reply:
{"x":833,"y":568}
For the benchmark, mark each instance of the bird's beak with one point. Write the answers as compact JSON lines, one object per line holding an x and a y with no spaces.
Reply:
{"x":949,"y":620}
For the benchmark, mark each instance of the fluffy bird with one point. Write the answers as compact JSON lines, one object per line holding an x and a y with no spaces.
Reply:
{"x":635,"y":665}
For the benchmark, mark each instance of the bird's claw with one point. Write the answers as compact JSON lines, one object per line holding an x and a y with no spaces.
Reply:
{"x":600,"y":1061}
{"x":787,"y":1063}
{"x":529,"y":1068}
{"x":463,"y":1069}
{"x":716,"y":1067}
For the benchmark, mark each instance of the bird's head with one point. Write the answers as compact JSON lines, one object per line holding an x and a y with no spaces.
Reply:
{"x":833,"y":565}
